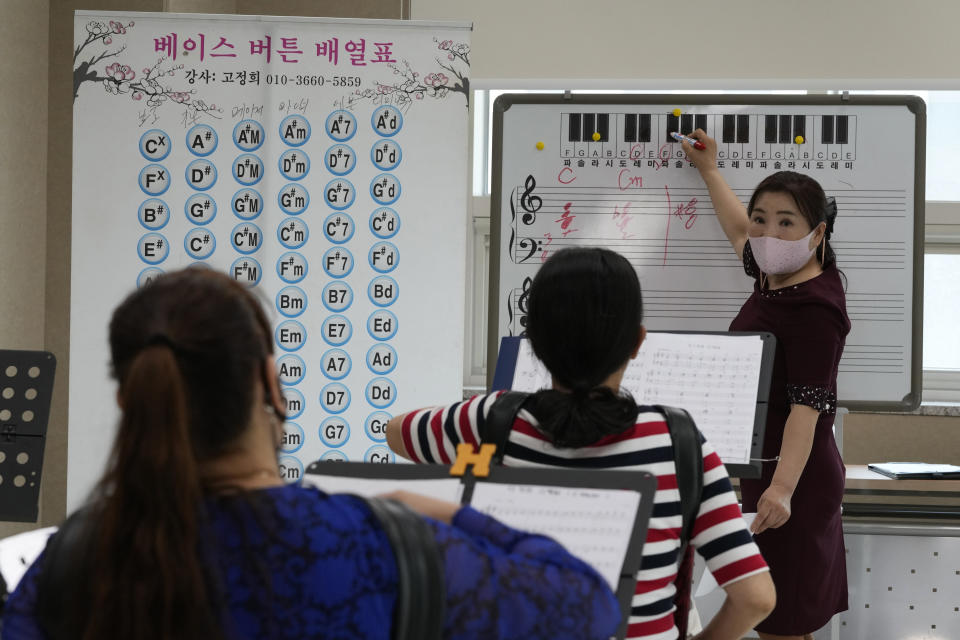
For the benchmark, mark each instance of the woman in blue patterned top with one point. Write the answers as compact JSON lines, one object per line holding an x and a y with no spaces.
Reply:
{"x":196,"y":536}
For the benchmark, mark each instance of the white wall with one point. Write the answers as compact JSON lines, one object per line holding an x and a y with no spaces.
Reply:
{"x":815,"y":44}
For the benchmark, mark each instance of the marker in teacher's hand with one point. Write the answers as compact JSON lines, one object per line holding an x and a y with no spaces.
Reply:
{"x":696,"y":144}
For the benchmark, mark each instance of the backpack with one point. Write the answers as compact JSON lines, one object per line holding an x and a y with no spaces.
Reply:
{"x":687,"y":456}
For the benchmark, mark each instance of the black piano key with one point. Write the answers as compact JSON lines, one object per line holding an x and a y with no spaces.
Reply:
{"x":644,"y":127}
{"x":743,"y":129}
{"x":843,"y":131}
{"x":573,"y":135}
{"x":785,"y":137}
{"x":603,"y":127}
{"x":700,"y":122}
{"x":686,"y":123}
{"x":770,"y":129}
{"x":589,"y":127}
{"x":729,"y":128}
{"x":826,"y":130}
{"x":629,"y":127}
{"x":673,"y":124}
{"x":800,"y":127}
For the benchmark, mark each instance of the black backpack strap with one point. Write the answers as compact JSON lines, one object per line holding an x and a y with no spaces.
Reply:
{"x":688,"y":459}
{"x":421,"y":586}
{"x":499,"y":421}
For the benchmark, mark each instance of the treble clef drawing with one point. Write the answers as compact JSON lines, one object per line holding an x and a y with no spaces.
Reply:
{"x":530,"y":203}
{"x":522,"y":304}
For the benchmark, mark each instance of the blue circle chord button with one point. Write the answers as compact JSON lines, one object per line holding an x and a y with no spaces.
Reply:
{"x":201,"y":174}
{"x":341,"y":125}
{"x":337,"y":330}
{"x":153,"y":248}
{"x":202,"y":140}
{"x":248,"y":169}
{"x":247,"y":204}
{"x":336,"y":364}
{"x":295,"y":130}
{"x":199,"y":243}
{"x":155,"y":145}
{"x":291,"y":301}
{"x":335,"y":398}
{"x":248,"y":135}
{"x":293,"y":233}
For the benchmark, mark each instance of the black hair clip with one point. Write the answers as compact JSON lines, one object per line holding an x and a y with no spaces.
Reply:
{"x":831,"y":213}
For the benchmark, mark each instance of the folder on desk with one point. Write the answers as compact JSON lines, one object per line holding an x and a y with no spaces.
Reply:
{"x":916,"y":470}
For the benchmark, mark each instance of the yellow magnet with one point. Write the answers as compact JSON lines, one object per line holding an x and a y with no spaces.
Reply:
{"x":798,"y":139}
{"x":596,"y":137}
{"x":540,"y":146}
{"x":677,"y":112}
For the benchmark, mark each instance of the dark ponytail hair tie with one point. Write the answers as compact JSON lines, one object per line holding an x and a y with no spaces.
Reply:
{"x":831,"y":214}
{"x":163,"y":340}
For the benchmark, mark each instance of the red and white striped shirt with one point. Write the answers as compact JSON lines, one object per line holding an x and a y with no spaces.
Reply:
{"x":720,"y":534}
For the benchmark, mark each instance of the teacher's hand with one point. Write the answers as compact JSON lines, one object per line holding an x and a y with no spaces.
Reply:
{"x":773,"y":508}
{"x":706,"y":159}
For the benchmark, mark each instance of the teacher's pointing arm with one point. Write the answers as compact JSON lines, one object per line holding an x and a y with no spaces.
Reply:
{"x":731,"y":213}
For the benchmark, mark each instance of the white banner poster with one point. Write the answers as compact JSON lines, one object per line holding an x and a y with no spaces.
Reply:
{"x":320,"y":162}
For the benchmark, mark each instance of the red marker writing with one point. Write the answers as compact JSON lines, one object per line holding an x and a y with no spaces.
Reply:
{"x":696,"y":144}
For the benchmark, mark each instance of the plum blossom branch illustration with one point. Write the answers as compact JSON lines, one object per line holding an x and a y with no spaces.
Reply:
{"x":411,"y":86}
{"x":119,"y":78}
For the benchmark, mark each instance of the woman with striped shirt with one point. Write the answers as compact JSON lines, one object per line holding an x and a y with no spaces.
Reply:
{"x":585,"y":325}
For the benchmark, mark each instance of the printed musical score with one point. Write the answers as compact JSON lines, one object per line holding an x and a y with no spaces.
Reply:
{"x":593,"y":524}
{"x":714,"y":377}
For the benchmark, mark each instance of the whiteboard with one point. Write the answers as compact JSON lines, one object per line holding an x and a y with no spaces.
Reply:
{"x":632,"y":191}
{"x":349,"y":231}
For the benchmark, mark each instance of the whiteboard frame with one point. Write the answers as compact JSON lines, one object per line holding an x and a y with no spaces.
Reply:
{"x":914,"y":104}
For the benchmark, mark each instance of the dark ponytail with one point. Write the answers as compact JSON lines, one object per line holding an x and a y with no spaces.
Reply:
{"x":148,"y":524}
{"x":187,"y":351}
{"x":584,"y":322}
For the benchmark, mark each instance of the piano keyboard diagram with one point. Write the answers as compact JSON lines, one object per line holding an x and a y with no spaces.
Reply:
{"x":635,"y":136}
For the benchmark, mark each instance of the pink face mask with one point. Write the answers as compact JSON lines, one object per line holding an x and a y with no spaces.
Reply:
{"x":776,"y":256}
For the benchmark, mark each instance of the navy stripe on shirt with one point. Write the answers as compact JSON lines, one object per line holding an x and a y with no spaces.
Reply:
{"x":628,"y":459}
{"x":423,"y":426}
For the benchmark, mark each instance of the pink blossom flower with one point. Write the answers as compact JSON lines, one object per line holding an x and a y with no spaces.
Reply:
{"x":445,"y":44}
{"x":450,"y":56}
{"x":419,"y":95}
{"x":137,"y":95}
{"x":107,"y":40}
{"x":117,"y":27}
{"x":120,"y":72}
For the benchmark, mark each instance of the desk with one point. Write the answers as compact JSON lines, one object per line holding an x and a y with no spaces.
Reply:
{"x":875,"y":496}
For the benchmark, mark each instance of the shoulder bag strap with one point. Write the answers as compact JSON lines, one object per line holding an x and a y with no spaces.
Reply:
{"x":499,"y":421}
{"x":421,"y":585}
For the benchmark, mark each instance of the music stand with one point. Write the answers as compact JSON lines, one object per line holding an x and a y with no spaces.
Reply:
{"x":26,"y":388}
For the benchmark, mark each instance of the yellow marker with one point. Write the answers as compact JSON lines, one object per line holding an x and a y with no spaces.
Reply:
{"x":596,"y":137}
{"x":677,"y":112}
{"x":540,"y":146}
{"x":798,"y":139}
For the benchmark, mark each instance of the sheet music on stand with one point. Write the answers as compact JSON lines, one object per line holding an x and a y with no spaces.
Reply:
{"x":600,"y":516}
{"x":721,"y":378}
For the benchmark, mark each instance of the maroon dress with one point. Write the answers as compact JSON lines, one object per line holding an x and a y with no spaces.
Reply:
{"x":806,"y":555}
